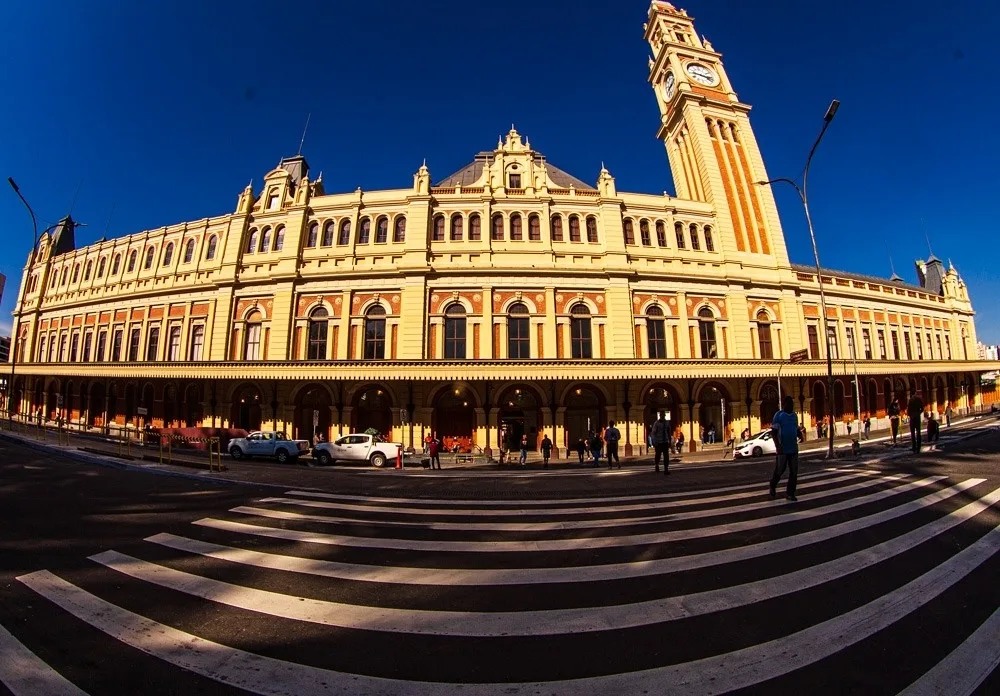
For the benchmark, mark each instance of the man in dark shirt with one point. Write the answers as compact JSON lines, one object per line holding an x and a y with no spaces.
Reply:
{"x":915,"y":410}
{"x":894,"y":420}
{"x":785,"y":433}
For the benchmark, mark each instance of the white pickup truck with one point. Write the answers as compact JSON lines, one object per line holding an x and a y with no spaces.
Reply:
{"x":357,"y":447}
{"x":267,"y":444}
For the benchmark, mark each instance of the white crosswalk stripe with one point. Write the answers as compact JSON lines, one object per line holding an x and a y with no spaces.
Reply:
{"x":673,"y":576}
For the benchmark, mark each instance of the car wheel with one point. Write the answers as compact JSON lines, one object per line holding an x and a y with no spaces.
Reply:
{"x":378,"y":460}
{"x":757,"y":451}
{"x":236,"y":453}
{"x":281,"y":456}
{"x":324,"y":459}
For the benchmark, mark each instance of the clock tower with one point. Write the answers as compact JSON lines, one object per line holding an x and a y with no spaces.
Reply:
{"x":706,"y":130}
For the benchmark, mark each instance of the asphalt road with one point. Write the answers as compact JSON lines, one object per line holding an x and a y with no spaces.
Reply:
{"x":882,"y":576}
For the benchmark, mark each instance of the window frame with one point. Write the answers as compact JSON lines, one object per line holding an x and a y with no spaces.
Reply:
{"x":581,"y":332}
{"x":455,"y":329}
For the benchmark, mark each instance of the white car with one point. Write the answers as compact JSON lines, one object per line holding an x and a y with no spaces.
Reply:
{"x":357,"y":447}
{"x":267,"y":444}
{"x":760,"y":444}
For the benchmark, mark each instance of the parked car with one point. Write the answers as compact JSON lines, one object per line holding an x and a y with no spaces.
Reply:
{"x":357,"y":447}
{"x":267,"y":444}
{"x":757,"y":446}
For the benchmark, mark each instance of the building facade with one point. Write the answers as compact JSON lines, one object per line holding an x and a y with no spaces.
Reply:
{"x":510,"y":295}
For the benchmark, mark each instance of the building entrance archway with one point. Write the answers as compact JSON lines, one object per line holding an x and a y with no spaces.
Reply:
{"x":658,"y":399}
{"x":585,"y":414}
{"x":373,"y":410}
{"x":769,"y":404}
{"x":518,"y":415}
{"x":312,"y":413}
{"x":714,"y":412}
{"x":245,"y":411}
{"x":454,"y":418}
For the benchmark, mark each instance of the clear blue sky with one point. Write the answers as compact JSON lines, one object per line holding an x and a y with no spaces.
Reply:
{"x":165,"y":110}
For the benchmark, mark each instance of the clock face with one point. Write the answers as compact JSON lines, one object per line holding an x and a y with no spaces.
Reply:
{"x":702,"y":74}
{"x":669,"y":86}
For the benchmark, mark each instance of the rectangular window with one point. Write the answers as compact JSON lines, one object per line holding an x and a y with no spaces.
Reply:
{"x":174,"y":344}
{"x":375,"y":339}
{"x":316,"y":350}
{"x":881,"y":344}
{"x":866,"y":338}
{"x":849,"y":330}
{"x":518,"y":341}
{"x":197,"y":343}
{"x":895,"y":345}
{"x":909,"y":348}
{"x":88,"y":342}
{"x":515,"y":181}
{"x":454,"y":337}
{"x":656,"y":330}
{"x":64,"y":348}
{"x":133,"y":344}
{"x":74,"y":348}
{"x":153,"y":344}
{"x":940,"y":352}
{"x":102,"y":344}
{"x":580,"y":338}
{"x":831,"y":342}
{"x":920,"y":346}
{"x":252,"y":351}
{"x":813,"y":342}
{"x":947,"y":345}
{"x":116,"y":346}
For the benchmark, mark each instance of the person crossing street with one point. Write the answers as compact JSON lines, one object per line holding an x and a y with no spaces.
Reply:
{"x":784,"y":432}
{"x":661,"y":443}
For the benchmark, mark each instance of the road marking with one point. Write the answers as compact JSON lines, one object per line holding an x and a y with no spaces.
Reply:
{"x":581,"y":543}
{"x":25,"y":674}
{"x":530,"y":623}
{"x":562,"y":501}
{"x":966,"y":667}
{"x":711,"y":675}
{"x":531,"y":576}
{"x":652,"y":508}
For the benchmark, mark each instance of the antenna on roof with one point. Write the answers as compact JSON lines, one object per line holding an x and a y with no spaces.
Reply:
{"x":107,"y":226}
{"x":73,"y":203}
{"x":302,"y":142}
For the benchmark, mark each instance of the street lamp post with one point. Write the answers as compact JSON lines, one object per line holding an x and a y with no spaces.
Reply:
{"x":803,"y":192}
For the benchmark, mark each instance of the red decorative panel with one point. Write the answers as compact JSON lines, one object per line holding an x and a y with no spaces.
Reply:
{"x":199,"y":309}
{"x":138,"y":314}
{"x":177,"y":310}
{"x":440,"y":299}
{"x":502,"y":298}
{"x":155,"y":313}
{"x":261,"y":304}
{"x":360,"y":301}
{"x":666,"y":302}
{"x":121,"y":315}
{"x":566,"y":299}
{"x":754,"y":306}
{"x":335,"y":301}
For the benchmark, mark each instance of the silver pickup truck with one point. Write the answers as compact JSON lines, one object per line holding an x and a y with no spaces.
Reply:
{"x":357,"y":447}
{"x":267,"y":444}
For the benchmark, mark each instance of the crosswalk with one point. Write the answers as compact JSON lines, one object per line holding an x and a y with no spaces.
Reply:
{"x":871,"y":583}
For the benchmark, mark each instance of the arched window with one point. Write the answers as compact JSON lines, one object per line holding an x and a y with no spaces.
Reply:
{"x":272,"y":199}
{"x":76,"y":277}
{"x":345,"y":233}
{"x":399,"y":230}
{"x":498,"y":227}
{"x":454,"y":332}
{"x":709,"y":242}
{"x":328,"y":230}
{"x":41,"y":350}
{"x":592,"y":230}
{"x":251,"y":339}
{"x":456,"y":228}
{"x":437,"y":235}
{"x":574,"y":228}
{"x":197,"y":343}
{"x":475,"y":228}
{"x":101,"y":265}
{"x":661,"y":233}
{"x":629,"y":231}
{"x":656,"y":332}
{"x":279,"y":238}
{"x":132,"y":258}
{"x":265,"y":240}
{"x":150,"y":257}
{"x":65,"y":275}
{"x":695,"y":244}
{"x":679,"y":233}
{"x":534,"y":229}
{"x":366,"y":231}
{"x":518,"y":339}
{"x":86,"y":270}
{"x":318,"y":324}
{"x":174,"y":343}
{"x":515,"y":227}
{"x":557,"y":229}
{"x":706,"y":331}
{"x":116,"y":264}
{"x":382,"y":230}
{"x":152,"y":343}
{"x":251,"y":246}
{"x":168,"y":254}
{"x":764,"y":335}
{"x":644,"y":233}
{"x":189,"y":251}
{"x":375,"y":333}
{"x":312,"y":236}
{"x":580,"y":337}
{"x":213,"y":243}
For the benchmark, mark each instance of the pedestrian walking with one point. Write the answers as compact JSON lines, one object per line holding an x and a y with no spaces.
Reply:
{"x":523,"y":459}
{"x":850,"y":425}
{"x":680,"y":442}
{"x":711,"y":434}
{"x":434,"y":450}
{"x":611,"y":437}
{"x":893,"y":409}
{"x":581,"y":447}
{"x":868,"y":427}
{"x":947,"y":415}
{"x":784,"y":429}
{"x":661,"y":443}
{"x":546,"y":446}
{"x":596,"y":445}
{"x":933,"y":428}
{"x":915,"y":410}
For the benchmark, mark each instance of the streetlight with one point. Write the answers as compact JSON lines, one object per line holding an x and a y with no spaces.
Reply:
{"x":804,"y":196}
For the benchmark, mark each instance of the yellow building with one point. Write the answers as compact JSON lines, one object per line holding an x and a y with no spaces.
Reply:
{"x":509,"y":293}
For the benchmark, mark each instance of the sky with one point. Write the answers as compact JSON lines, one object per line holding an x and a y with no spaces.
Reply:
{"x":135,"y":115}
